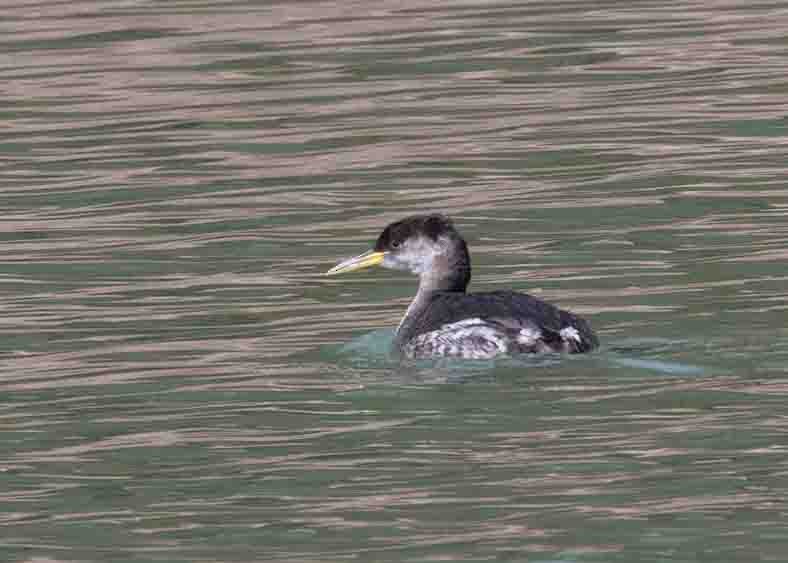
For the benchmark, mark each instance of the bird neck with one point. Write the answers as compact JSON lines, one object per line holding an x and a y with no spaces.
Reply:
{"x":451,"y":272}
{"x":409,"y":323}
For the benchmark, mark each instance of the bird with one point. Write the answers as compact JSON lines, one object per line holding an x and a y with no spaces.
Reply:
{"x":443,"y":321}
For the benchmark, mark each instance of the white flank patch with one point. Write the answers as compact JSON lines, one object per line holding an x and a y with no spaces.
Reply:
{"x":570,"y":333}
{"x":528,"y":336}
{"x":461,"y":324}
{"x":460,"y":339}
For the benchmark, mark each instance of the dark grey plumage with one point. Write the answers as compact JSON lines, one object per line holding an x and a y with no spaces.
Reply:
{"x":525,"y":323}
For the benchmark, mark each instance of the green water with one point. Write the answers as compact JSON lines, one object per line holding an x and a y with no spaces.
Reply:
{"x":179,"y":382}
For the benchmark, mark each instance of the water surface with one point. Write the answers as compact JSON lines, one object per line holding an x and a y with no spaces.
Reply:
{"x":179,"y":382}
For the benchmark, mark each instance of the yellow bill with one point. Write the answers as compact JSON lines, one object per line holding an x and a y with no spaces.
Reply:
{"x":369,"y":258}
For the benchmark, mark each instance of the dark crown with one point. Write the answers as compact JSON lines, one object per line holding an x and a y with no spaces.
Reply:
{"x":431,"y":226}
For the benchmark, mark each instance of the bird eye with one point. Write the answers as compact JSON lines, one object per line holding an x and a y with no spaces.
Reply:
{"x":395,"y":244}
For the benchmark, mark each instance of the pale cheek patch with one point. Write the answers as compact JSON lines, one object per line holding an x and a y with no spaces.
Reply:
{"x":416,"y":256}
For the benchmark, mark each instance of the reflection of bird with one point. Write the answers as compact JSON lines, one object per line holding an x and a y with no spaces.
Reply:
{"x":443,"y":320}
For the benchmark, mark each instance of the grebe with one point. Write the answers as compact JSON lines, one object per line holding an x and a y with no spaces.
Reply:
{"x":443,"y":320}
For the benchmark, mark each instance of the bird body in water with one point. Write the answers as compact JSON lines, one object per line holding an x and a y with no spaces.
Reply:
{"x":445,"y":321}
